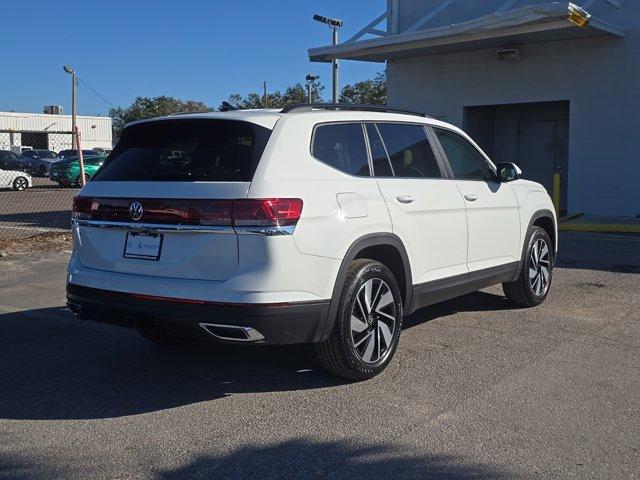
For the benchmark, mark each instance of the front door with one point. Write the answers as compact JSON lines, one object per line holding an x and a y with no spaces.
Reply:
{"x":491,"y":207}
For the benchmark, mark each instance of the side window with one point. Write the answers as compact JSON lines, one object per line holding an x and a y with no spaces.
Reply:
{"x":465,"y":160}
{"x":409,"y":150}
{"x":342,"y":147}
{"x":381,"y":165}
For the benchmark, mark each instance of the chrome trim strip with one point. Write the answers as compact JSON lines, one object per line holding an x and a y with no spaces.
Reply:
{"x":152,"y":227}
{"x":267,"y":231}
{"x":251,"y":334}
{"x":160,"y":228}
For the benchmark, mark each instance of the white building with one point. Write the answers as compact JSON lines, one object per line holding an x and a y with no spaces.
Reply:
{"x":52,"y":132}
{"x":527,"y":81}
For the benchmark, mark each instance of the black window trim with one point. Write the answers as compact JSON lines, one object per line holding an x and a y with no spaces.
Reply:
{"x":445,"y":159}
{"x":435,"y":148}
{"x":364,"y":137}
{"x":370,"y":151}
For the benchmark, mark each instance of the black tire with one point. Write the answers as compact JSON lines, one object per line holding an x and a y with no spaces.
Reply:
{"x":164,"y":339}
{"x":20,"y":184}
{"x":526,"y":291}
{"x":339,"y":354}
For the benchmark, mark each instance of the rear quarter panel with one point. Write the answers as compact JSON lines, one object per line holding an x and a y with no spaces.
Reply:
{"x":337,"y":208}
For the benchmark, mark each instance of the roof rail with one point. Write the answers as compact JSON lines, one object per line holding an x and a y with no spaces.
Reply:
{"x":175,"y":114}
{"x":308,"y":107}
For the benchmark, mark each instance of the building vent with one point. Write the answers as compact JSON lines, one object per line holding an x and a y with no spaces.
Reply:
{"x":509,"y":55}
{"x":53,"y":109}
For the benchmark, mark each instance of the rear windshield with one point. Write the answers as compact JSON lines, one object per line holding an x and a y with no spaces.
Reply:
{"x":186,"y":150}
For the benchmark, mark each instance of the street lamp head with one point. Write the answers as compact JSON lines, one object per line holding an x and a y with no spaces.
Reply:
{"x":332,"y":22}
{"x":312,"y":77}
{"x":69,"y":69}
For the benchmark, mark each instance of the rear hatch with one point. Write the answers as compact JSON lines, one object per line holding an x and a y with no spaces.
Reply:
{"x":161,"y":203}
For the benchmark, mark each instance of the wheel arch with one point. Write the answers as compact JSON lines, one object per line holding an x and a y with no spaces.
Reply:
{"x":544,"y":219}
{"x":386,"y":248}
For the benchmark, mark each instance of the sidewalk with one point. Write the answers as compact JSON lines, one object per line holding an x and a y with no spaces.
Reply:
{"x":599,"y":223}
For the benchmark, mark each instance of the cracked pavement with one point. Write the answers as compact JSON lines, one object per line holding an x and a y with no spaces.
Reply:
{"x":477,"y":389}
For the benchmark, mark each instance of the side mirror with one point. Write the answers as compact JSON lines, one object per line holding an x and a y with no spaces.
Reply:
{"x":508,"y":172}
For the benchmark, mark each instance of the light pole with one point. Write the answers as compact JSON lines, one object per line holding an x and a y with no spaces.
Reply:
{"x":311,"y":78}
{"x":334,"y":24}
{"x":74,"y":87}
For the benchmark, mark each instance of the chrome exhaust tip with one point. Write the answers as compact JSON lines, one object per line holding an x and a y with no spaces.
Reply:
{"x":232,"y":333}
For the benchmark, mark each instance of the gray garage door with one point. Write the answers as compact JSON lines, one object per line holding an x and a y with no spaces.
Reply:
{"x":533,"y":135}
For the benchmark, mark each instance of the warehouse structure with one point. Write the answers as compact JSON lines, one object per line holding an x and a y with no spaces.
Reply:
{"x":19,"y":131}
{"x":553,"y":86}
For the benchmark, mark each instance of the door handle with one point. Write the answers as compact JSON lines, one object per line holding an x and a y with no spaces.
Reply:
{"x":405,"y":198}
{"x":472,"y":197}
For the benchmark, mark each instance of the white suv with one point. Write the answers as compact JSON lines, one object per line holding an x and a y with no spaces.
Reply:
{"x":318,"y":224}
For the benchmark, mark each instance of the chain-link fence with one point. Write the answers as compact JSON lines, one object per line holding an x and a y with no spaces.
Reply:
{"x":42,"y":203}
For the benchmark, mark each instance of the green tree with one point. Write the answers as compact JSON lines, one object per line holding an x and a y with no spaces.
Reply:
{"x":146,"y":107}
{"x":293,"y":94}
{"x":373,"y":91}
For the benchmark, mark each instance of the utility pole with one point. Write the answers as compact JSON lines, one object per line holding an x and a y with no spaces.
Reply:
{"x":74,"y":94}
{"x":334,"y":64}
{"x":266,"y":97}
{"x":334,"y":24}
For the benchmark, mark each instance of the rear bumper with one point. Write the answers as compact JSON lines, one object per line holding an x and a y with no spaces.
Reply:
{"x":282,"y":323}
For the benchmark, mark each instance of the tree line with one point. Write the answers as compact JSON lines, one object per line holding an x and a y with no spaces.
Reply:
{"x":372,"y":91}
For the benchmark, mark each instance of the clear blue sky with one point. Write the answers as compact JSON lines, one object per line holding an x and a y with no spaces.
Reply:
{"x":191,"y":49}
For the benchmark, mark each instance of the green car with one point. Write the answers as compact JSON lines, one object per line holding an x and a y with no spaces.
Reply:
{"x":66,"y":173}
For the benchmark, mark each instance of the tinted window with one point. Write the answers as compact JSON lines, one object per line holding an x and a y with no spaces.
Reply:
{"x":94,"y":160}
{"x":409,"y":150}
{"x":186,"y":150}
{"x":381,"y":165}
{"x":29,"y":154}
{"x":465,"y":160}
{"x":342,"y":147}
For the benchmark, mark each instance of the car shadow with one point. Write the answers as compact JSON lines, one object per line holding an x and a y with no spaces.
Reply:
{"x":473,"y":302}
{"x":53,"y":366}
{"x":305,"y":458}
{"x":299,"y":457}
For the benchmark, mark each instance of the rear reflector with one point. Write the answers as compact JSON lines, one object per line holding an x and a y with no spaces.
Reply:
{"x":271,"y":212}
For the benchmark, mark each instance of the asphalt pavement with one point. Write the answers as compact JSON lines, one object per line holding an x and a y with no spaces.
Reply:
{"x":44,"y":207}
{"x":477,"y":389}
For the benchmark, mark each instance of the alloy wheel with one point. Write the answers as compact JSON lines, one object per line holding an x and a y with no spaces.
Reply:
{"x":539,"y":268}
{"x":373,"y":321}
{"x":21,"y":183}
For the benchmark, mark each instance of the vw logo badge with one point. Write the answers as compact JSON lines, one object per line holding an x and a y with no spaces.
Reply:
{"x":136,"y":211}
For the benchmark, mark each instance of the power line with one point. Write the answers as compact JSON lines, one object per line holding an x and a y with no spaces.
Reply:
{"x":95,"y":92}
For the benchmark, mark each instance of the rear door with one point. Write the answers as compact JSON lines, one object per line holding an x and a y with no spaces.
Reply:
{"x":426,"y":209}
{"x":492,"y":209}
{"x":160,"y":205}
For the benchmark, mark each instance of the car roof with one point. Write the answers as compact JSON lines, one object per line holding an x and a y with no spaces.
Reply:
{"x":269,"y":117}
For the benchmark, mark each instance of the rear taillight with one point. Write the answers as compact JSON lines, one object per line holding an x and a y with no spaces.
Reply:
{"x":267,"y":212}
{"x":264,"y":212}
{"x":82,"y":208}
